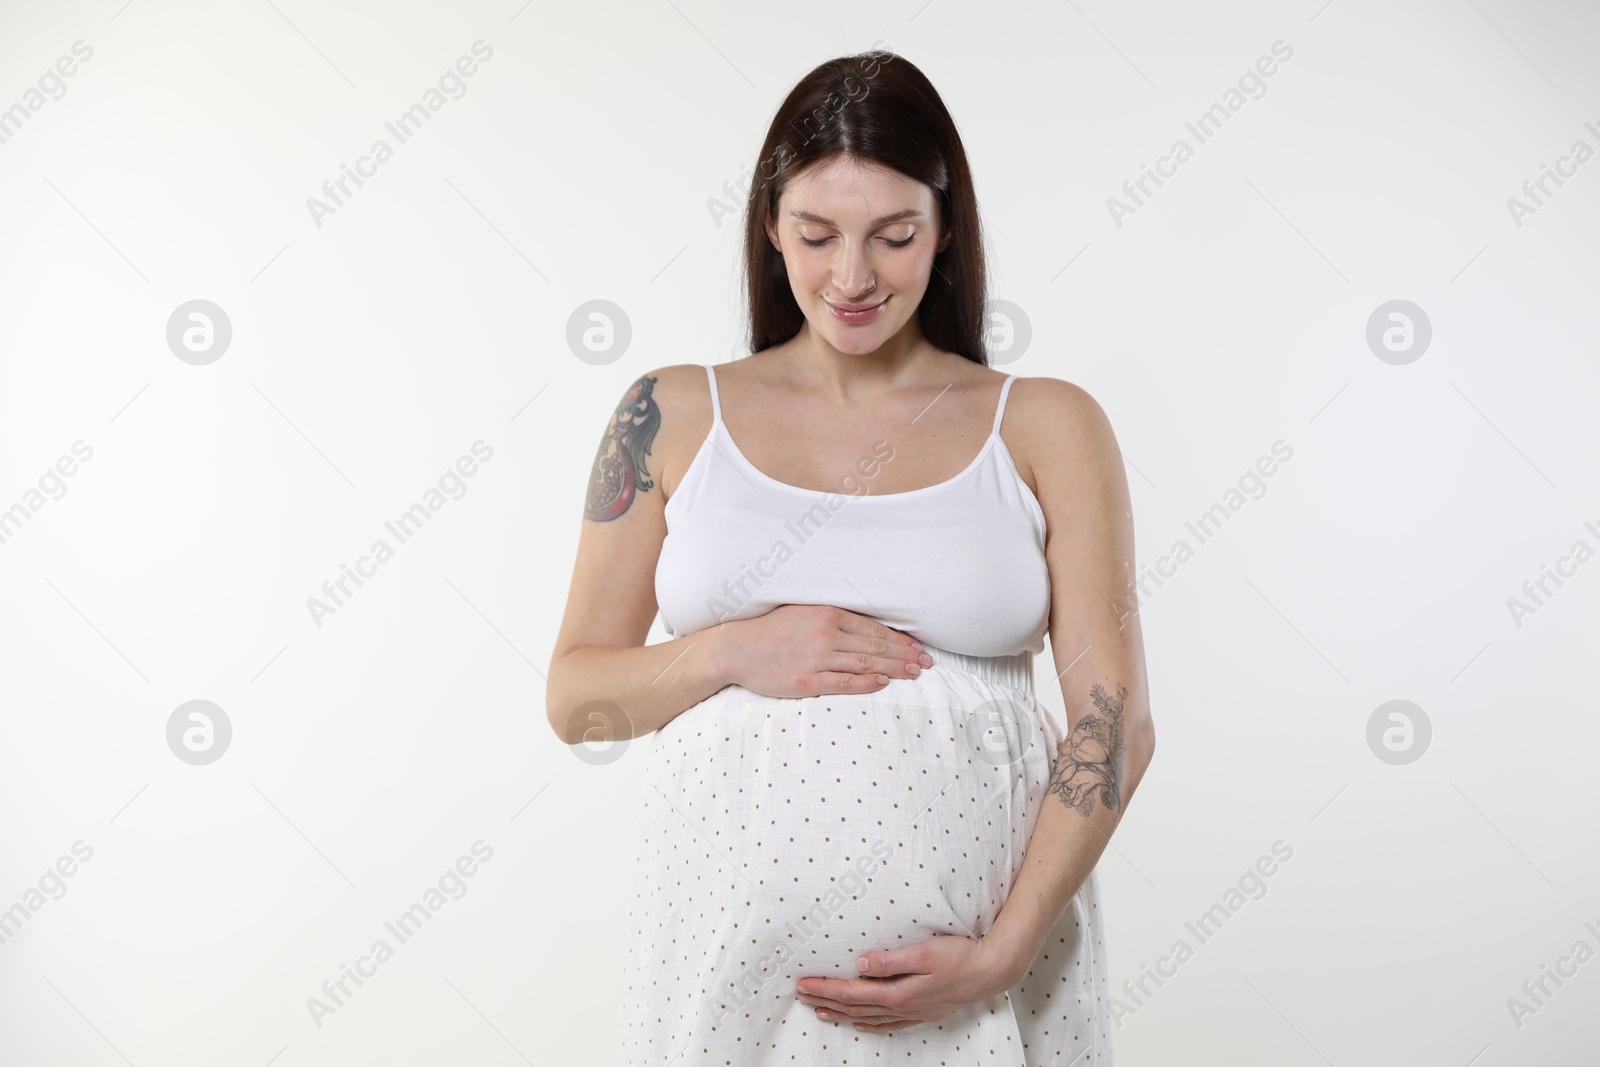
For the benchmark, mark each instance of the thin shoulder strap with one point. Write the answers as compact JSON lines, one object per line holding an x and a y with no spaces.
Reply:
{"x":716,"y":405}
{"x":1000,"y":411}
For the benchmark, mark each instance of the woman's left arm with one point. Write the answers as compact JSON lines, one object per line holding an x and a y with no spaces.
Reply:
{"x":1099,"y":657}
{"x":1098,"y":648}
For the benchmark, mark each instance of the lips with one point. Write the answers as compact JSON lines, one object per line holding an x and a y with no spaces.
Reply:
{"x":855,"y":307}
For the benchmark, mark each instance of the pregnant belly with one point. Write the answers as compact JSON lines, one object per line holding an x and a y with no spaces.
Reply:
{"x":783,"y":837}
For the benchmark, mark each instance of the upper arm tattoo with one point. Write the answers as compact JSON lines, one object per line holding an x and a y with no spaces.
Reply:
{"x":619,"y":469}
{"x":1089,"y":762}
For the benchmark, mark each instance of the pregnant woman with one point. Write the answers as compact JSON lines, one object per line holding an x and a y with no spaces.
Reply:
{"x":864,"y":839}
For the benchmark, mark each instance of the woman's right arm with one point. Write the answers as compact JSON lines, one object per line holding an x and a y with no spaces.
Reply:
{"x":603,"y":680}
{"x":601,"y":672}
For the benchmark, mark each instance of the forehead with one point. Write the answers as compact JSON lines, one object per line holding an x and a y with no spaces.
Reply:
{"x":849,"y":188}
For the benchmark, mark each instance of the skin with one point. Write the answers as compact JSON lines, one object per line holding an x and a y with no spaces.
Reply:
{"x":801,"y":412}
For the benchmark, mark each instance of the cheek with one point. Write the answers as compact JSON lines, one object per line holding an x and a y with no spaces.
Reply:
{"x":808,"y":275}
{"x":911,"y":273}
{"x":808,"y":267}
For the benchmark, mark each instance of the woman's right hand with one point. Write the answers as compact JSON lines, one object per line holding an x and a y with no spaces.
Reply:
{"x":802,"y":650}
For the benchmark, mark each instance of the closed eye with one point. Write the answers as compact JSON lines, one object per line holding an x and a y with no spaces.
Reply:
{"x":892,"y":244}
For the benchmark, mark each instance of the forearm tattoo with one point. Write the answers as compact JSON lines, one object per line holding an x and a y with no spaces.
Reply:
{"x":619,"y":468}
{"x":1089,"y":761}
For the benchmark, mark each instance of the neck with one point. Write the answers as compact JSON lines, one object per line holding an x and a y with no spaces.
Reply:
{"x":896,"y":362}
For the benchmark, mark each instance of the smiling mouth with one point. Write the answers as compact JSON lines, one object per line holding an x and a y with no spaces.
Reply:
{"x":862,"y":307}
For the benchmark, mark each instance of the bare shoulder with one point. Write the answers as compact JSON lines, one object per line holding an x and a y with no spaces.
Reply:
{"x":1059,"y":435}
{"x":652,"y":434}
{"x":682,"y":392}
{"x":1058,"y":407}
{"x":685,"y":397}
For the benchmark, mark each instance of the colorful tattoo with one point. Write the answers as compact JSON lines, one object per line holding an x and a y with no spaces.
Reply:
{"x":619,"y":469}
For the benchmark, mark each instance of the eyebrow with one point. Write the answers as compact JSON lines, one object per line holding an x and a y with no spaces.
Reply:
{"x":908,"y":213}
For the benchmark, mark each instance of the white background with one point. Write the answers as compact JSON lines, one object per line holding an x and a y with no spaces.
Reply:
{"x":430,"y":311}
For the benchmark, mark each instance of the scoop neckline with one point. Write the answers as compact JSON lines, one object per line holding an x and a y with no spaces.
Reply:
{"x":744,"y":461}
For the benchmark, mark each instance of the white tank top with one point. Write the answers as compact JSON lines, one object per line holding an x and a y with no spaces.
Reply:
{"x":958,"y":565}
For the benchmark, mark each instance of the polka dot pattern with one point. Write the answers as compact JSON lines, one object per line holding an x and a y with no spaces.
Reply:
{"x":781,"y":838}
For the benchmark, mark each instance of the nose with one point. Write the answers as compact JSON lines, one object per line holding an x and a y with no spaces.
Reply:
{"x":852,"y":276}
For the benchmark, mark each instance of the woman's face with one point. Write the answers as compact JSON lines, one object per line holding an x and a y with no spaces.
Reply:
{"x":844,"y":225}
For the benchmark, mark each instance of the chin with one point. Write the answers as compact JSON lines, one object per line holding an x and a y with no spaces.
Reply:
{"x":858,"y":340}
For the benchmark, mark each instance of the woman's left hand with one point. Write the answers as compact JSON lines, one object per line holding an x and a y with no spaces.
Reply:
{"x":905,"y":986}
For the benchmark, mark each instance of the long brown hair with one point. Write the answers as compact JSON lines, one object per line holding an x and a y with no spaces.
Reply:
{"x":876,"y":107}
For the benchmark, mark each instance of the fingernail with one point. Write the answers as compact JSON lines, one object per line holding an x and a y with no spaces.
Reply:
{"x":912,"y":668}
{"x":927,"y":660}
{"x":883,"y":679}
{"x":862,"y":963}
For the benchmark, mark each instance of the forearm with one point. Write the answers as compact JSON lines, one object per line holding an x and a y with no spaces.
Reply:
{"x":1096,"y":771}
{"x":618,"y":693}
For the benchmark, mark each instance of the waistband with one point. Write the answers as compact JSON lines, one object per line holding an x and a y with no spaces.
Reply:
{"x":1013,"y":671}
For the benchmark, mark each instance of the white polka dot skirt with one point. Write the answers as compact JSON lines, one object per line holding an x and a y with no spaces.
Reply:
{"x":781,"y":838}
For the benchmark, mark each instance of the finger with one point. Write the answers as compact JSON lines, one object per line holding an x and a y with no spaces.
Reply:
{"x":889,"y":648}
{"x":889,"y":963}
{"x":900,"y":1024}
{"x":902,"y":665}
{"x":890,"y":657}
{"x":854,"y":623}
{"x":856,"y":1010}
{"x":863,"y":996}
{"x":875,"y":1014}
{"x":880,"y":1023}
{"x":864,"y":1013}
{"x":846,"y":682}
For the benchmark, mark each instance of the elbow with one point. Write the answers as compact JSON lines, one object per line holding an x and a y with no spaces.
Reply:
{"x":557,"y":728}
{"x":560,"y":717}
{"x":568,"y":725}
{"x":576,"y":713}
{"x":1143,"y":747}
{"x":577,"y":719}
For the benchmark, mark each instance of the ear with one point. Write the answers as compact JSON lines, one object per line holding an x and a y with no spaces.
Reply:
{"x":944,"y":241}
{"x":772,"y":235}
